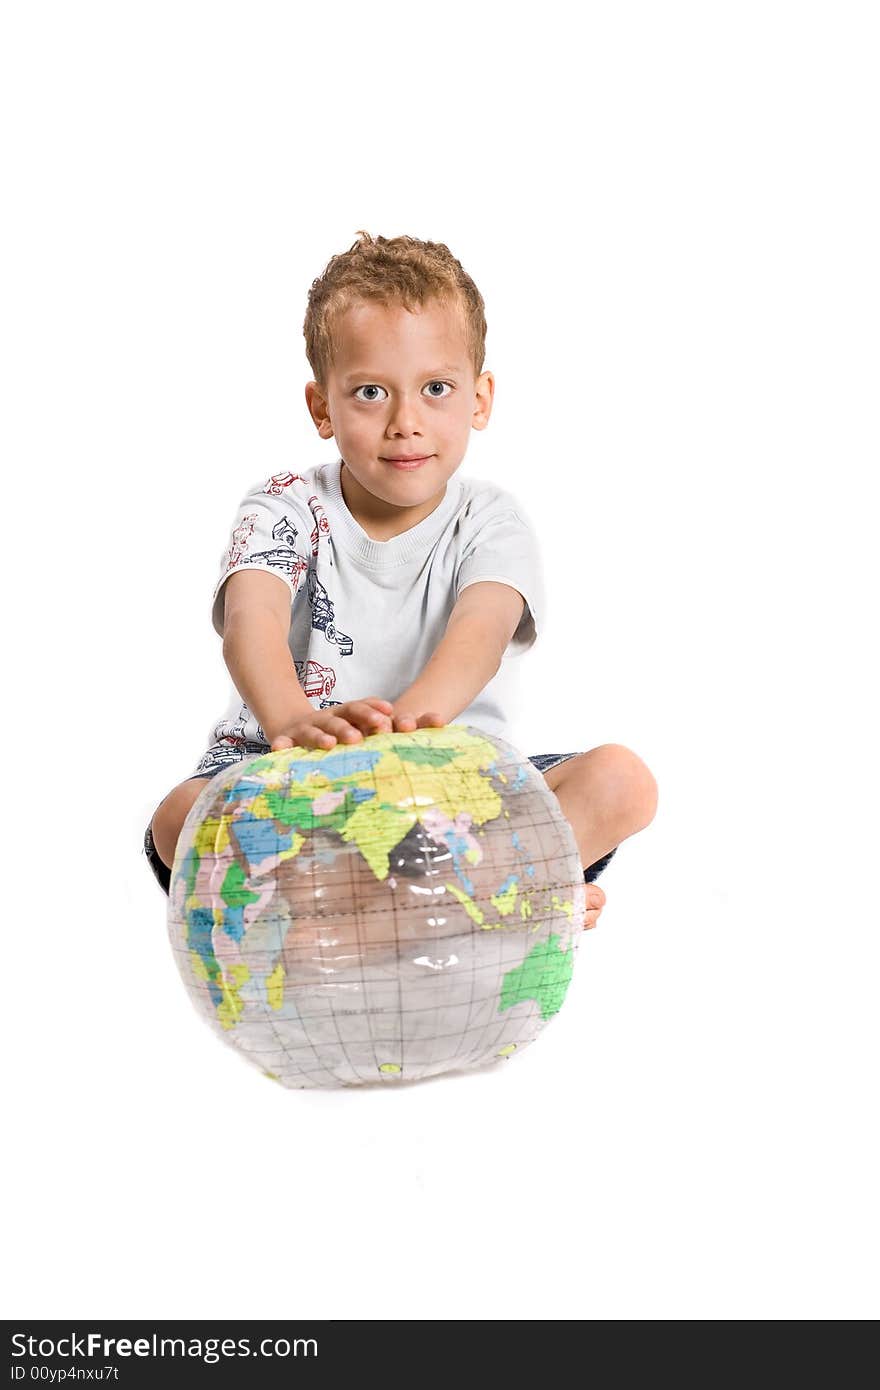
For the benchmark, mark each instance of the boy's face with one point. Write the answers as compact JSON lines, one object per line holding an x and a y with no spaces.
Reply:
{"x":402,"y":384}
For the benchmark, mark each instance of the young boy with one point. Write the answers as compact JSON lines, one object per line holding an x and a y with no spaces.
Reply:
{"x":383,"y":571}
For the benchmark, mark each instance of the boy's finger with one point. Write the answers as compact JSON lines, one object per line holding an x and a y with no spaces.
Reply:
{"x":316,"y":737}
{"x":372,"y":717}
{"x":351,"y":735}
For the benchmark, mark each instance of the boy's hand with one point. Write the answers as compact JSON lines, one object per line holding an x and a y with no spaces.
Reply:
{"x":405,"y":723}
{"x":346,"y":723}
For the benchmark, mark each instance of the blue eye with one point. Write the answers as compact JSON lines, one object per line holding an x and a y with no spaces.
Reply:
{"x":368,"y":388}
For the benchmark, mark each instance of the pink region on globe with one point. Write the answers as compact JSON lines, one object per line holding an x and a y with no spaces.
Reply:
{"x":455,"y":834}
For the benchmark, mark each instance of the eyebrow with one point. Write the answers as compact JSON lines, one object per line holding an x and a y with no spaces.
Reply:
{"x":446,"y":370}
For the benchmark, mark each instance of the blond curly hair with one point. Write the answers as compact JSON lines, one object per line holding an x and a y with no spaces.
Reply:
{"x":395,"y":270}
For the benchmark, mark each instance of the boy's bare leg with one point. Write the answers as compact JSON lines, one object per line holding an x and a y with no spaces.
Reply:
{"x":170,"y":814}
{"x":606,"y":795}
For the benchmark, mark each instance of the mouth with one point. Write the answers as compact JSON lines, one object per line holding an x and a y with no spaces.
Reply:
{"x":407,"y":461}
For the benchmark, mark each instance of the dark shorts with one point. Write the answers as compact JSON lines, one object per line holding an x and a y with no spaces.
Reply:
{"x":542,"y":761}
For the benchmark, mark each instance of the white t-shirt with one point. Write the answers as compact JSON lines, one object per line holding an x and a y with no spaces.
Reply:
{"x":367,"y":615}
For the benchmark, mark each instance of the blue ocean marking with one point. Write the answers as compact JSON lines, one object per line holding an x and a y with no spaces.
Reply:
{"x":233,"y":922}
{"x":200,"y":924}
{"x":337,"y":764}
{"x":457,"y":845}
{"x":259,"y":838}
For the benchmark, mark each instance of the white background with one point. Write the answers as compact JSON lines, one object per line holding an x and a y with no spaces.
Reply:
{"x":672,"y":214}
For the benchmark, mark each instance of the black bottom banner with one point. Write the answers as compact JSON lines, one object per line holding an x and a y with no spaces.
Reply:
{"x":207,"y":1353}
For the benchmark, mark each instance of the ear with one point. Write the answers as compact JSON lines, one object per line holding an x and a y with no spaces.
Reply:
{"x":319,"y":409}
{"x":484,"y":393}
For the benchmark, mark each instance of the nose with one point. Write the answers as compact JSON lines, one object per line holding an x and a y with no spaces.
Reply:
{"x":404,"y":416}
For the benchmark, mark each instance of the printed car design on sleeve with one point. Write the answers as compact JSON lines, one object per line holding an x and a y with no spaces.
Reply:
{"x":275,"y":487}
{"x":279,"y":481}
{"x":283,"y":556}
{"x":240,"y":537}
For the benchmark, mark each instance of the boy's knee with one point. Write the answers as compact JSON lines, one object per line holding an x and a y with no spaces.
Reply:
{"x":631,"y":792}
{"x":169,"y":816}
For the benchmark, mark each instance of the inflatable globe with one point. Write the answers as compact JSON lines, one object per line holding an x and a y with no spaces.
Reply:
{"x":379,"y":912}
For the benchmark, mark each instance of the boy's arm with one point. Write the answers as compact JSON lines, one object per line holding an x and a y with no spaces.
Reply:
{"x":479,"y":628}
{"x":256,"y":624}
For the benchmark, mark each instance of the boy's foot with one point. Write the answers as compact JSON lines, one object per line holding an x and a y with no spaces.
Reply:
{"x":595,"y":903}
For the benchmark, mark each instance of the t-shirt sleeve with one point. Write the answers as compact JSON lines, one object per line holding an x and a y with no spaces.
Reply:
{"x":504,"y":548}
{"x":272,"y":531}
